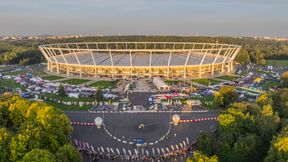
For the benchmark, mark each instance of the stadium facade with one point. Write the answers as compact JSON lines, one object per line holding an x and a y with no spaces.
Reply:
{"x":140,"y":59}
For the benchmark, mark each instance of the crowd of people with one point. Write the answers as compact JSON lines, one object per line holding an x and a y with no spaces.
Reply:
{"x":100,"y":153}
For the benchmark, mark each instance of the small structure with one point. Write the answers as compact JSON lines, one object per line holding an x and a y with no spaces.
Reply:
{"x":160,"y":84}
{"x":192,"y":103}
{"x":98,"y":122}
{"x":175,"y":119}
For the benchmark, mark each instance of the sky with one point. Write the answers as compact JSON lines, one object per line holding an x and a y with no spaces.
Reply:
{"x":145,"y":17}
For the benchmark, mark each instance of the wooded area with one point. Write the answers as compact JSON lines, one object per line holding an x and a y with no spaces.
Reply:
{"x":255,"y":50}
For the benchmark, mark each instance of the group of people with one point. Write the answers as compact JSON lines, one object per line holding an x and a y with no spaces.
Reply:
{"x":99,"y":154}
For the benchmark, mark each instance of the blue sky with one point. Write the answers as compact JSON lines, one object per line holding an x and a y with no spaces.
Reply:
{"x":145,"y":17}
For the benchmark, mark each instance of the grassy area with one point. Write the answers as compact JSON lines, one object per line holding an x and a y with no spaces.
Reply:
{"x":15,"y":72}
{"x":39,"y":72}
{"x":51,"y":77}
{"x":228,"y":77}
{"x":66,"y":107}
{"x":277,"y":62}
{"x":206,"y":81}
{"x":9,"y":83}
{"x":75,"y":81}
{"x":104,"y":84}
{"x":171,"y":82}
{"x":270,"y":84}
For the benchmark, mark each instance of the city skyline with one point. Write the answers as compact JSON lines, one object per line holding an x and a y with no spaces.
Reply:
{"x":128,"y":17}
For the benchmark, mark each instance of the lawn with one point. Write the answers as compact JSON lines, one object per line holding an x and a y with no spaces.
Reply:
{"x":270,"y":84}
{"x":39,"y":72}
{"x":206,"y":81}
{"x":15,"y":72}
{"x":104,"y":84}
{"x":75,"y":81}
{"x":277,"y":62}
{"x":9,"y":83}
{"x":51,"y":77}
{"x":172,"y":82}
{"x":228,"y":77}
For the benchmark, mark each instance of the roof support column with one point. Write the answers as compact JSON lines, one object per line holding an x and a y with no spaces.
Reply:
{"x":131,"y":65}
{"x":111,"y":59}
{"x":212,"y":71}
{"x":168,"y":68}
{"x":200,"y":66}
{"x":187,"y":58}
{"x":150,"y":63}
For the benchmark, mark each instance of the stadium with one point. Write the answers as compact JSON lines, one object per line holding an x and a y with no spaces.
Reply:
{"x":185,"y":60}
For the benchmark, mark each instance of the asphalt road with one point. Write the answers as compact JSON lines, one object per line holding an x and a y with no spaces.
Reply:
{"x":125,"y":127}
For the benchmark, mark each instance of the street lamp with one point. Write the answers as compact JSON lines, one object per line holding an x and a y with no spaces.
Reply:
{"x":175,"y":119}
{"x":98,"y":122}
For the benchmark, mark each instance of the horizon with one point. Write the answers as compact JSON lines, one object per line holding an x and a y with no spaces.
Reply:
{"x":257,"y":18}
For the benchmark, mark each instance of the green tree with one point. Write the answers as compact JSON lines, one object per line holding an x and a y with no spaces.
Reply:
{"x":68,"y":153}
{"x":38,"y":155}
{"x":4,"y":144}
{"x":243,"y":57}
{"x":99,"y":95}
{"x":198,"y":156}
{"x":284,"y":79}
{"x":278,"y":151}
{"x":225,"y":96}
{"x":206,"y":143}
{"x":61,"y":91}
{"x":280,"y":102}
{"x":264,"y":99}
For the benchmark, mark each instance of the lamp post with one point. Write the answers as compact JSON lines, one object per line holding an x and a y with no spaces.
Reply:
{"x":98,"y":122}
{"x":175,"y":119}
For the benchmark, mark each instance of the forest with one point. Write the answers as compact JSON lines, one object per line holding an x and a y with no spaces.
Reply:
{"x":34,"y":131}
{"x":26,"y":52}
{"x":247,"y":131}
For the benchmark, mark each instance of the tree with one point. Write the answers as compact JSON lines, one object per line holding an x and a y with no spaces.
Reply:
{"x":28,"y":138}
{"x":243,"y":57}
{"x":257,"y":56}
{"x":280,"y":102}
{"x":264,"y":99}
{"x":4,"y":144}
{"x":34,"y":125}
{"x":61,"y":91}
{"x":38,"y":155}
{"x":198,"y":156}
{"x":206,"y":143}
{"x":284,"y":79}
{"x":99,"y":95}
{"x":225,"y":96}
{"x":279,"y":147}
{"x":226,"y":120}
{"x":68,"y":153}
